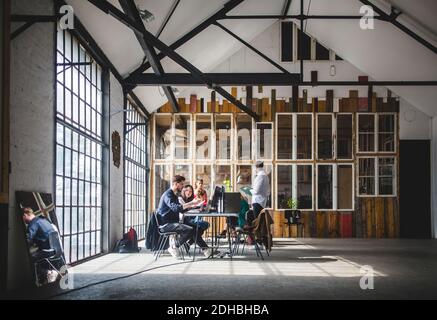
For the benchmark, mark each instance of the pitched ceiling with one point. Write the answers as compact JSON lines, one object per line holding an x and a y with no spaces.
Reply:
{"x":385,"y":53}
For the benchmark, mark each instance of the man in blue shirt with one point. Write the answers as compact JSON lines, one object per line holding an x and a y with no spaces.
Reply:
{"x":38,"y":230}
{"x":168,"y":215}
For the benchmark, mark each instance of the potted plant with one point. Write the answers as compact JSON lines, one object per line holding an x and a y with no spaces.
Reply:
{"x":292,"y":214}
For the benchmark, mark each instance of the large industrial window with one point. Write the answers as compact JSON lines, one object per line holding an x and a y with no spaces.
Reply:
{"x":78,"y":149}
{"x":135,"y":166}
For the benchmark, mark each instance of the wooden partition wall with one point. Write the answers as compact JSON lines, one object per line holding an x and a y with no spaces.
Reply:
{"x":373,"y":216}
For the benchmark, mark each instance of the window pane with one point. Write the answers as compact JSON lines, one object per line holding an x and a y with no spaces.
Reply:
{"x":285,"y":136}
{"x":162,"y":181}
{"x":366,"y":172}
{"x":182,"y":137}
{"x":304,"y":136}
{"x":185,"y":171}
{"x":223,"y":177}
{"x":204,"y":172}
{"x":386,"y":135}
{"x":244,"y":176}
{"x":386,"y":176}
{"x":163,"y":136}
{"x":344,"y":187}
{"x":203,"y":137}
{"x":284,"y":185}
{"x":324,"y":136}
{"x":325,"y":187}
{"x":244,"y":133}
{"x":304,"y":186}
{"x":366,"y":132}
{"x":223,"y":137}
{"x":264,"y":138}
{"x":344,"y":136}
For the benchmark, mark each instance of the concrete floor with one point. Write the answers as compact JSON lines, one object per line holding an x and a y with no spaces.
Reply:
{"x":296,"y":269}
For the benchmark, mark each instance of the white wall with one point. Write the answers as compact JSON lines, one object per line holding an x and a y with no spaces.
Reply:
{"x":413,"y":123}
{"x":32,"y":112}
{"x":116,"y":174}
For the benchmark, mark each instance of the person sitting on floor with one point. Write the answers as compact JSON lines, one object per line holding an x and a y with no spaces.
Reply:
{"x":168,"y":215}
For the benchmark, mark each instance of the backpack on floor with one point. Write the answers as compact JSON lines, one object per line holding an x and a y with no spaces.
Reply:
{"x":129,"y":243}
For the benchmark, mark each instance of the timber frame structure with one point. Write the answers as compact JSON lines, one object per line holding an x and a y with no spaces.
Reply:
{"x":131,"y":19}
{"x":149,"y":42}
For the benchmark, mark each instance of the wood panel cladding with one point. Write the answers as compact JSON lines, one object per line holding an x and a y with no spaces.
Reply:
{"x":373,"y":217}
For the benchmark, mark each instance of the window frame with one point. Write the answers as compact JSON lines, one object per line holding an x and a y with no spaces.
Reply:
{"x":354,"y":147}
{"x":376,"y":177}
{"x":255,"y":144}
{"x":293,"y":165}
{"x":294,"y":136}
{"x":333,"y":136}
{"x":395,"y":128}
{"x":231,"y":138}
{"x":335,"y":185}
{"x":375,"y":132}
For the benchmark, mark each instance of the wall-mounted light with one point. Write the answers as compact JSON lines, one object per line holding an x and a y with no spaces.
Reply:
{"x":332,"y":71}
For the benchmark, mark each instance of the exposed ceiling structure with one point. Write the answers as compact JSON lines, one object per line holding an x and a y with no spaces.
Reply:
{"x":385,"y":53}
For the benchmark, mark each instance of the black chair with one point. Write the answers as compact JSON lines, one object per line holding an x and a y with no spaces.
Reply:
{"x":293,"y":217}
{"x":53,"y":256}
{"x":164,"y":237}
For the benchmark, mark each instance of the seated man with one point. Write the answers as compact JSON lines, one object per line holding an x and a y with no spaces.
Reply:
{"x":168,"y":213}
{"x":38,"y":230}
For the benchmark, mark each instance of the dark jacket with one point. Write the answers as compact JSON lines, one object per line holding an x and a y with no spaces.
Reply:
{"x":152,"y":236}
{"x":38,"y":232}
{"x":169,"y":208}
{"x":262,"y":229}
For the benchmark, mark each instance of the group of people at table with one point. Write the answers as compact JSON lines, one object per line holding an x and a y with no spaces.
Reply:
{"x":180,"y":198}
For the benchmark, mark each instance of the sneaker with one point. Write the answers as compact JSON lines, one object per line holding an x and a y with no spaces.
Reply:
{"x":174,"y":252}
{"x":52,"y":276}
{"x":207,"y":252}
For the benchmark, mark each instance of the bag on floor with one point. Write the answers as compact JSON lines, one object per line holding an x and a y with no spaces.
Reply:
{"x":128,"y":244}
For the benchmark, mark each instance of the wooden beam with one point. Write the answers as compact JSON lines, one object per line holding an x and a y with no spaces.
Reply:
{"x":131,"y":11}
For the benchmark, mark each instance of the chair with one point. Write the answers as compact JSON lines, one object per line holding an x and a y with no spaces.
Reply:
{"x":163,"y":238}
{"x":292,"y":217}
{"x":52,"y":256}
{"x":245,"y":234}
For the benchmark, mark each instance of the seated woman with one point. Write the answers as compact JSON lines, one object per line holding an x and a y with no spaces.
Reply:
{"x":200,"y":192}
{"x":187,"y":195}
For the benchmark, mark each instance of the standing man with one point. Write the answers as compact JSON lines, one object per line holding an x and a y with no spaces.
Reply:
{"x":168,"y":214}
{"x":260,"y":189}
